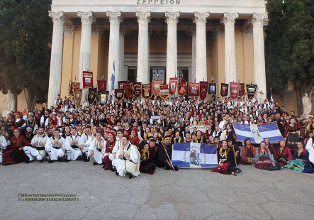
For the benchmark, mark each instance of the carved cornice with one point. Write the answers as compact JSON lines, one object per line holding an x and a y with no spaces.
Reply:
{"x":87,"y":18}
{"x":201,"y":17}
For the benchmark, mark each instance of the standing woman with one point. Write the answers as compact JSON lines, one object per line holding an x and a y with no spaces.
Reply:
{"x":16,"y":154}
{"x":293,"y":131}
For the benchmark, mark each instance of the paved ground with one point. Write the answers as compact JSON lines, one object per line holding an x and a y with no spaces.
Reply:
{"x":186,"y":194}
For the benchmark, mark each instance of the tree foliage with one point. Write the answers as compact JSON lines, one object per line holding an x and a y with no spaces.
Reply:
{"x":25,"y":29}
{"x":290,"y":45}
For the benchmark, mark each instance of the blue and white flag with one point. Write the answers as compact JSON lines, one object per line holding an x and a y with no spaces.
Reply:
{"x":194,"y":155}
{"x":113,"y":76}
{"x":258,"y":132}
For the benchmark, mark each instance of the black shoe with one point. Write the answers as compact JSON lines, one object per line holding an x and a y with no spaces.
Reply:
{"x":84,"y":157}
{"x":117,"y":173}
{"x":41,"y":161}
{"x":50,"y":161}
{"x":95,"y":163}
{"x":29,"y":161}
{"x":130,"y":176}
{"x":67,"y":160}
{"x":113,"y":169}
{"x":60,"y":159}
{"x":175,"y":168}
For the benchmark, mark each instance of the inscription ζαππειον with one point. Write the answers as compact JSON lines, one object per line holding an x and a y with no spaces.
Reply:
{"x":158,"y":2}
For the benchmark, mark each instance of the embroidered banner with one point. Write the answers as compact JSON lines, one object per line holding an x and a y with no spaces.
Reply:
{"x":87,"y":79}
{"x":241,"y":89}
{"x":182,"y":88}
{"x":234,"y":90}
{"x":194,"y":89}
{"x":92,"y":95}
{"x":173,"y":82}
{"x":203,"y":89}
{"x":251,"y":90}
{"x":156,"y":87}
{"x":224,"y":89}
{"x":119,"y":93}
{"x":164,"y":91}
{"x":137,"y":89}
{"x":146,"y":91}
{"x":102,"y":85}
{"x":212,"y":88}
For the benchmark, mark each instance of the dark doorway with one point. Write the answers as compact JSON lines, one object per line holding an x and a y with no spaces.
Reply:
{"x":132,"y":74}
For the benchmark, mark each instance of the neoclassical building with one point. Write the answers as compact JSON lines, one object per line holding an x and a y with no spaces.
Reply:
{"x":145,"y":40}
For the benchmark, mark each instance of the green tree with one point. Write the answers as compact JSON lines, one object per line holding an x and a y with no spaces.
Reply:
{"x":298,"y":44}
{"x":290,"y":46}
{"x":275,"y":65}
{"x":25,"y":29}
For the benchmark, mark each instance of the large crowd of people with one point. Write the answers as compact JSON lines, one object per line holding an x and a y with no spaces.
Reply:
{"x":133,"y":137}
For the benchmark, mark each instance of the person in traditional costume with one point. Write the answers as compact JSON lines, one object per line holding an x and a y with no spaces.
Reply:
{"x":148,"y":157}
{"x":27,"y":132}
{"x":16,"y":154}
{"x":86,"y":139}
{"x":236,"y":150}
{"x":248,"y":152}
{"x":293,"y":132}
{"x":309,"y":161}
{"x":134,"y":139}
{"x":177,"y":138}
{"x":299,"y":157}
{"x":55,"y":147}
{"x":284,"y":154}
{"x":264,"y":159}
{"x":109,"y":147}
{"x":37,"y":148}
{"x":72,"y":143}
{"x":272,"y":149}
{"x":97,"y":149}
{"x":165,"y":154}
{"x":3,"y":142}
{"x":226,"y":161}
{"x":18,"y":121}
{"x":126,"y":159}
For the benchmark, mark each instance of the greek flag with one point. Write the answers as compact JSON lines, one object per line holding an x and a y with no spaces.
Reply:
{"x":113,"y":77}
{"x":194,"y":155}
{"x":258,"y":132}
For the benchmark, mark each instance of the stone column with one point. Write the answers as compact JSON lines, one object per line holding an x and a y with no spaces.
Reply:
{"x":230,"y":59}
{"x":114,"y":49}
{"x":172,"y":62}
{"x":87,"y":19}
{"x":56,"y":56}
{"x":192,"y":73}
{"x":201,"y":62}
{"x":259,"y":56}
{"x":143,"y":18}
{"x":122,"y":69}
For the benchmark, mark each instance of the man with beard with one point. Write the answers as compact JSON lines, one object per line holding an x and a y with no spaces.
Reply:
{"x":165,"y":153}
{"x":127,"y":159}
{"x":37,"y":148}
